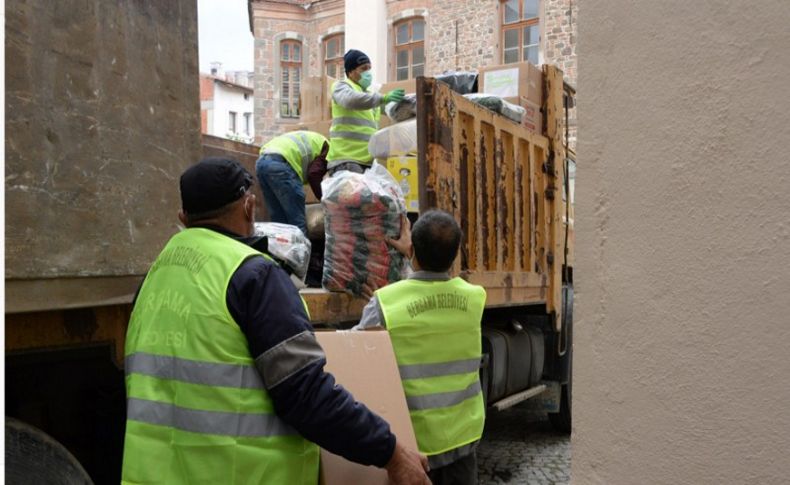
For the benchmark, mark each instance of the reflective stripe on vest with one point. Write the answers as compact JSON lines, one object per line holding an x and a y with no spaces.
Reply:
{"x":299,"y":148}
{"x":435,"y":331}
{"x":197,"y":410}
{"x":351,"y":130}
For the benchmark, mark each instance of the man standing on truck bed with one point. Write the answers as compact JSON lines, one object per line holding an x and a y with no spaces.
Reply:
{"x":434,"y":322}
{"x":282,"y":171}
{"x":355,"y":115}
{"x":225,"y":379}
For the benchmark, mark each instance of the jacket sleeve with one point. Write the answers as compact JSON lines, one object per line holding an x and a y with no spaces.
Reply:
{"x":267,"y":307}
{"x":371,"y":315}
{"x":347,"y":97}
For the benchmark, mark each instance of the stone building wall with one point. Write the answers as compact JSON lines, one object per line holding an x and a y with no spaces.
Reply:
{"x":273,"y":22}
{"x":459,"y":35}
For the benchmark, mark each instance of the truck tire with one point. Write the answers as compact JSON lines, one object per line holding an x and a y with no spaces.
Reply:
{"x":32,"y":457}
{"x":561,"y":421}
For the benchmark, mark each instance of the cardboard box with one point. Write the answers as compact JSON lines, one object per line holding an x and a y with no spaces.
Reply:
{"x":315,"y":98}
{"x":533,"y":118}
{"x":364,"y":363}
{"x":311,"y":99}
{"x":404,"y":169}
{"x":329,"y":83}
{"x":513,"y":81}
{"x":321,"y":126}
{"x":410,"y":86}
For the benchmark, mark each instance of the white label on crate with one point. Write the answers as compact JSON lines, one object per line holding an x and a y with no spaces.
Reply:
{"x":503,"y":82}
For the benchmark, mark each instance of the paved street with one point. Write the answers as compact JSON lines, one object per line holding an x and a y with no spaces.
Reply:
{"x":522,"y":448}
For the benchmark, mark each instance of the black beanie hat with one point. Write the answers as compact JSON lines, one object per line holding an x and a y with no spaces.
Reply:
{"x":213,"y":183}
{"x":353,"y":59}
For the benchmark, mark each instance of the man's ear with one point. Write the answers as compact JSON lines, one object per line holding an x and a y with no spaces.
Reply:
{"x":182,"y":216}
{"x":249,"y":207}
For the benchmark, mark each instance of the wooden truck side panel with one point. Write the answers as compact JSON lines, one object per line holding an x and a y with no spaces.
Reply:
{"x":497,"y":178}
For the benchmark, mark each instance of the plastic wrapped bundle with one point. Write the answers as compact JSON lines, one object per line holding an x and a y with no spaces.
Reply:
{"x":361,"y":210}
{"x":403,"y":110}
{"x":496,"y":103}
{"x":396,"y":140}
{"x":462,"y":82}
{"x":288,"y":244}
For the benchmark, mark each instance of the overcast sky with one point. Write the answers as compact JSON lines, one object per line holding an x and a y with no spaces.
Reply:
{"x":224,"y":35}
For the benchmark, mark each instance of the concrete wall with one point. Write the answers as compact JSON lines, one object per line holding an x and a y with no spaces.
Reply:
{"x":683,"y":243}
{"x":102,"y":116}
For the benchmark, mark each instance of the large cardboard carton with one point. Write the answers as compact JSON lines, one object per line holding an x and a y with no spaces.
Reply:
{"x":311,"y":99}
{"x":321,"y":126}
{"x":364,"y":363}
{"x":533,"y":118}
{"x":404,"y":169}
{"x":512,"y":81}
{"x":409,"y":85}
{"x":315,"y":98}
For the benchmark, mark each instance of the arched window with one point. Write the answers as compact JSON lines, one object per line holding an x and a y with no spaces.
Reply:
{"x":409,"y":48}
{"x":334,"y":48}
{"x":291,"y":75}
{"x":520,"y":31}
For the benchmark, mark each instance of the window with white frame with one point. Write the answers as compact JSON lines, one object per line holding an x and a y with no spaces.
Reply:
{"x":334,"y":48}
{"x":290,"y":75}
{"x":232,"y":121}
{"x":520,"y":31}
{"x":409,"y":48}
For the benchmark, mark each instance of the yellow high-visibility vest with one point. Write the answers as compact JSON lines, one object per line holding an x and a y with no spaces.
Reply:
{"x":197,"y":410}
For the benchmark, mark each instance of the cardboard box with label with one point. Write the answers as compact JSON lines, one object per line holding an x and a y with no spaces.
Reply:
{"x":533,"y":118}
{"x":512,"y":82}
{"x":404,"y":169}
{"x":364,"y":363}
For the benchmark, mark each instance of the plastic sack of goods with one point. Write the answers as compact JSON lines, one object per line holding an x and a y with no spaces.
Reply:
{"x":462,"y":82}
{"x":395,"y":140}
{"x":288,"y":244}
{"x":361,"y":210}
{"x":496,"y":103}
{"x":403,"y":110}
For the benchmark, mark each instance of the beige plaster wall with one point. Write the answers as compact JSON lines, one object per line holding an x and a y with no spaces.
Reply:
{"x":682,"y":352}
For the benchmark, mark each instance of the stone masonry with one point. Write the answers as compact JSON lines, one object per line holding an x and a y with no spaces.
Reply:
{"x":459,"y":35}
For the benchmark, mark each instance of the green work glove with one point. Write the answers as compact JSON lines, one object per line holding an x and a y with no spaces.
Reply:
{"x":394,"y":96}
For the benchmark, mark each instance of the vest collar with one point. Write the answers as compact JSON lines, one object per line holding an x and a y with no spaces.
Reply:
{"x":259,"y":243}
{"x":429,"y":276}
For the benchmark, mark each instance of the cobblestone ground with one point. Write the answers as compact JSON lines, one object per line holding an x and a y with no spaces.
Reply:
{"x":522,"y":448}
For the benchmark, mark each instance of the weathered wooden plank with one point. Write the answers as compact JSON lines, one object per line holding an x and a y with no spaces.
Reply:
{"x":499,"y":199}
{"x":487,"y":151}
{"x":468,"y":181}
{"x":332,"y":307}
{"x":503,"y":279}
{"x":69,"y":328}
{"x":507,"y":209}
{"x":479,"y":189}
{"x":555,"y":174}
{"x":503,"y":297}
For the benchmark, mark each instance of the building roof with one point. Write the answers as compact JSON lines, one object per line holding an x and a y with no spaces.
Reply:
{"x":230,"y":84}
{"x":302,"y":3}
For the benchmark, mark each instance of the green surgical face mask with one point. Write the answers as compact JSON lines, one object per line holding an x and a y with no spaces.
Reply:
{"x":365,"y":79}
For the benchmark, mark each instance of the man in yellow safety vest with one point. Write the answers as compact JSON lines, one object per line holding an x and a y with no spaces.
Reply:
{"x":282,"y":171}
{"x":435,"y":325}
{"x":225,"y":379}
{"x":355,"y":115}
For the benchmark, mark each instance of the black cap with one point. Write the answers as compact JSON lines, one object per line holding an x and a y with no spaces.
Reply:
{"x":213,"y":183}
{"x":353,"y":59}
